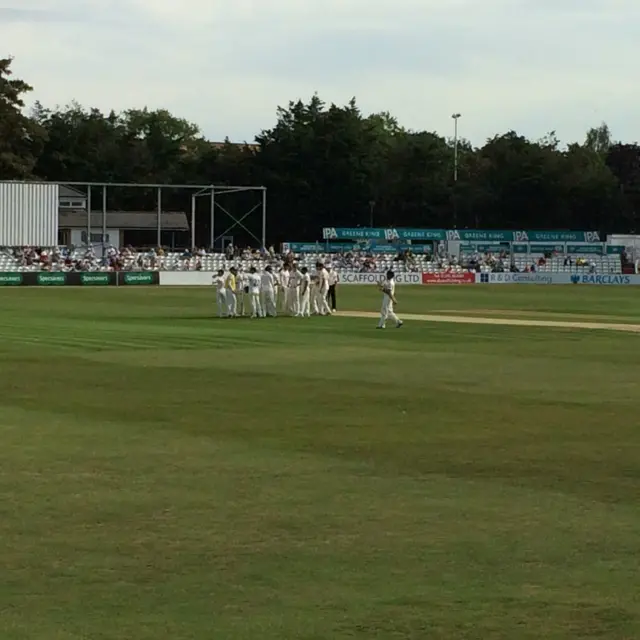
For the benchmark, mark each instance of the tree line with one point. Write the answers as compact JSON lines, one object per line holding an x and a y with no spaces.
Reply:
{"x":331,"y":165}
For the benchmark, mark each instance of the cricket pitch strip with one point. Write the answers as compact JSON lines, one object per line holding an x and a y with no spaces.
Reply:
{"x":511,"y":322}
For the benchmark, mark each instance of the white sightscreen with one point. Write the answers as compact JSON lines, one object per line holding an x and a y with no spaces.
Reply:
{"x":28,"y":214}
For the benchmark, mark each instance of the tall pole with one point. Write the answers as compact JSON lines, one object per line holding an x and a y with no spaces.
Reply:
{"x":88,"y":215}
{"x":193,"y":223}
{"x":159,"y":202}
{"x":456,"y":117}
{"x":213,"y":219}
{"x":264,"y":217}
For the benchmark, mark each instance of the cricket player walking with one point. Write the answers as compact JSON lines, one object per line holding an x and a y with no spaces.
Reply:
{"x":388,"y":288}
{"x":254,"y":294}
{"x":268,"y":292}
{"x":305,"y":293}
{"x":221,"y":293}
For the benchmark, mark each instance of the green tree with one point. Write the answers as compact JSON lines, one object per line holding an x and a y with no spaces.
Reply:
{"x":420,"y":170}
{"x":81,"y":145}
{"x":157,"y":142}
{"x":624,"y":162}
{"x":20,"y":137}
{"x":331,"y":165}
{"x":322,"y":165}
{"x":598,"y":140}
{"x":590,"y":191}
{"x":522,"y":181}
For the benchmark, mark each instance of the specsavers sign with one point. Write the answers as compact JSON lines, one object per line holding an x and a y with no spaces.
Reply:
{"x":8,"y":279}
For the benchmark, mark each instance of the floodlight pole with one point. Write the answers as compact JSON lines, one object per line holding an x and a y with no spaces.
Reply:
{"x":159,"y":201}
{"x":88,"y":215}
{"x":264,"y":217}
{"x":455,"y":117}
{"x":104,"y":219}
{"x":193,"y":222}
{"x":212,"y":238}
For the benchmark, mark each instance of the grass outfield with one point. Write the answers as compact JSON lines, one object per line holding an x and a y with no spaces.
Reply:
{"x":168,"y":476}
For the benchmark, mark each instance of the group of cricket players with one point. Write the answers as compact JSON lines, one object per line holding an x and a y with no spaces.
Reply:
{"x":291,"y":291}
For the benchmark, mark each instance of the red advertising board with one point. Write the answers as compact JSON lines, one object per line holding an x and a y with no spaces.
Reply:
{"x":448,"y":277}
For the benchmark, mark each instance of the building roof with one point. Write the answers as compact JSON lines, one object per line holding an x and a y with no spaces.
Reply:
{"x":132,"y":220}
{"x":68,"y":192}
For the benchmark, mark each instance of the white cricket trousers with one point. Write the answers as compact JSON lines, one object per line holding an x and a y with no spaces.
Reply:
{"x":305,"y":301}
{"x":286,"y":300}
{"x":323,"y":304}
{"x":232,"y":304}
{"x":222,"y":304}
{"x":387,"y":313}
{"x":268,"y":302}
{"x":256,"y":307}
{"x":313,"y":294}
{"x":294,"y":301}
{"x":240,"y":302}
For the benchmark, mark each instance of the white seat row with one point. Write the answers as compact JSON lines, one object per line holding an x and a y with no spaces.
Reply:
{"x":173,"y":261}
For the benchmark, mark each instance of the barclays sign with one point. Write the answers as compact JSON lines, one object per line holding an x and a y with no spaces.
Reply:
{"x":558,"y":278}
{"x":610,"y":279}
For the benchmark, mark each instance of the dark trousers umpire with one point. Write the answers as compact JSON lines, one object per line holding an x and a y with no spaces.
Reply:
{"x":331,"y":297}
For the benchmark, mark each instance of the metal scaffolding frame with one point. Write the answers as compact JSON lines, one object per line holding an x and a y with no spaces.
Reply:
{"x":198,"y":190}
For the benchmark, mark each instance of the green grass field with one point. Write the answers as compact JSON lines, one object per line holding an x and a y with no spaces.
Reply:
{"x":165,"y":475}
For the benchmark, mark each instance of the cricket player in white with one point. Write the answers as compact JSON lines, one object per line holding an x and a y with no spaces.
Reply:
{"x":323,"y":290}
{"x":388,"y":288}
{"x":313,"y":294}
{"x":268,"y":292}
{"x":276,"y":295}
{"x":294,"y":291}
{"x":305,"y":293}
{"x":221,"y":293}
{"x":232,"y":301}
{"x":284,"y":286}
{"x":240,"y":293}
{"x":333,"y":283}
{"x":254,"y":294}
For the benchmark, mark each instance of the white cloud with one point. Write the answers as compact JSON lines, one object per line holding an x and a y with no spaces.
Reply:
{"x":532,"y":65}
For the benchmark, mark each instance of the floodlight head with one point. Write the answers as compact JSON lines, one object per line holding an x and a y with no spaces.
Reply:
{"x":455,"y":116}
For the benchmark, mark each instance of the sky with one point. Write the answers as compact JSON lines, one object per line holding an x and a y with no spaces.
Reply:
{"x":532,"y":66}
